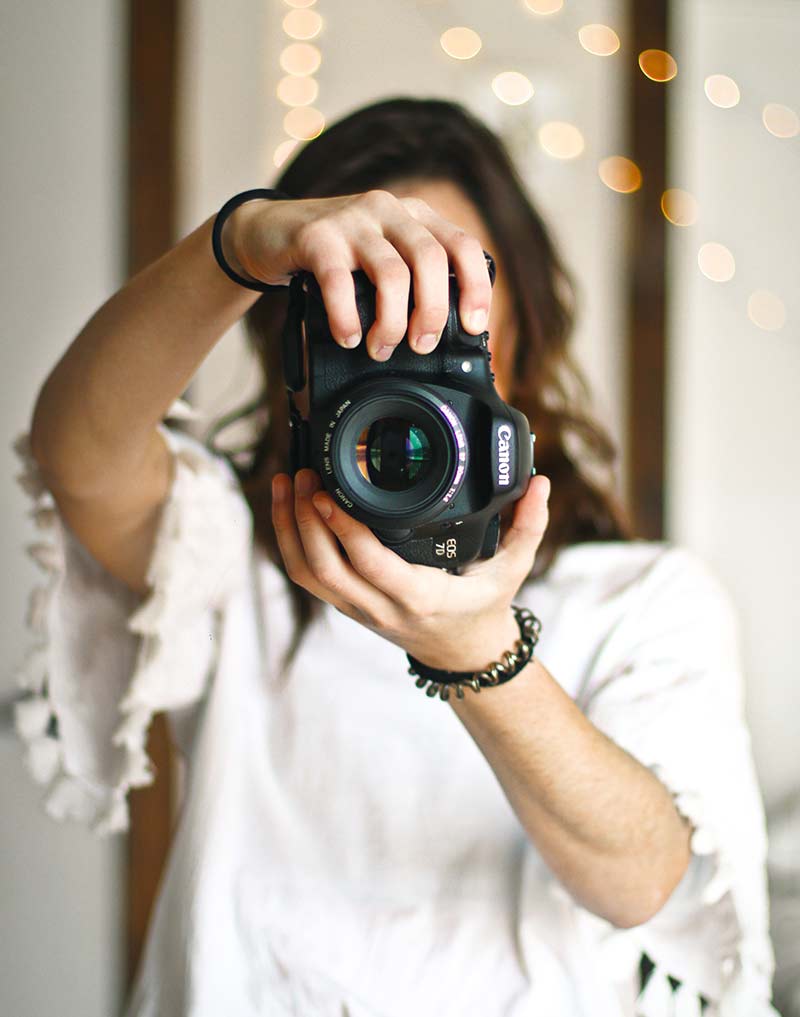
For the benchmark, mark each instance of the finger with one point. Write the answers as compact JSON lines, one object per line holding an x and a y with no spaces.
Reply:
{"x":391,"y":277}
{"x":325,"y":560}
{"x":327,"y":256}
{"x":518,"y":546}
{"x":466,"y":255}
{"x":379,"y":565}
{"x":291,"y":548}
{"x":430,"y":273}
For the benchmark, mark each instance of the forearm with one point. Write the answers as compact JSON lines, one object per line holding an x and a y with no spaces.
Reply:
{"x":139,"y":351}
{"x":603,"y":823}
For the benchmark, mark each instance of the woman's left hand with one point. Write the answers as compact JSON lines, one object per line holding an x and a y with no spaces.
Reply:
{"x":455,"y":622}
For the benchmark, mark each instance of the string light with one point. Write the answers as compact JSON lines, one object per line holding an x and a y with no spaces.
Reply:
{"x":283,"y":151}
{"x":679,"y":207}
{"x":294,"y":91}
{"x":620,"y":174}
{"x":544,"y":6}
{"x":716,"y":262}
{"x":302,"y":24}
{"x":657,"y":65}
{"x":300,"y":58}
{"x":766,"y":310}
{"x":512,"y":88}
{"x":782,"y":121}
{"x":598,"y":39}
{"x":721,"y":90}
{"x":304,"y":123}
{"x":460,"y":43}
{"x":561,"y":140}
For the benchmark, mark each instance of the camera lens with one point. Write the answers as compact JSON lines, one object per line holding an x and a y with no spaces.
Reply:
{"x":393,"y":454}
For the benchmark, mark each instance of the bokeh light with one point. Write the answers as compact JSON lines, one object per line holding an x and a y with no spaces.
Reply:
{"x":300,"y":3}
{"x":782,"y":121}
{"x":544,"y":6}
{"x":460,"y":43}
{"x":766,"y":310}
{"x":283,"y":151}
{"x":302,"y":24}
{"x":512,"y":88}
{"x":721,"y":90}
{"x":716,"y":262}
{"x":620,"y":174}
{"x":304,"y":123}
{"x":657,"y":65}
{"x":679,"y":207}
{"x":300,"y":58}
{"x":297,"y":91}
{"x":598,"y":39}
{"x":561,"y":140}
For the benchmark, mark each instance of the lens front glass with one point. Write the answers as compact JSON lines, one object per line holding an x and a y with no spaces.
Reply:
{"x":393,"y":454}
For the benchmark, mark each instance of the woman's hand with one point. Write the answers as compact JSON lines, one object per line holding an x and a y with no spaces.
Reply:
{"x":389,"y":238}
{"x":458,"y":623}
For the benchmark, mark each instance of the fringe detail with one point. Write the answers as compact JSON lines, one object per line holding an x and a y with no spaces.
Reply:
{"x":663,"y":994}
{"x":191,"y":526}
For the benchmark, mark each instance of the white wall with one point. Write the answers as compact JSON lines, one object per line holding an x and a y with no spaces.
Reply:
{"x":233,"y":123}
{"x":61,"y":206}
{"x":734,"y":407}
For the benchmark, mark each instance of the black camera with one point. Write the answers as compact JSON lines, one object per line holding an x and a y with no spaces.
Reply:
{"x":420,"y":448}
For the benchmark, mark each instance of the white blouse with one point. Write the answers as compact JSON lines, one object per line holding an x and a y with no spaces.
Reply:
{"x":343,"y":847}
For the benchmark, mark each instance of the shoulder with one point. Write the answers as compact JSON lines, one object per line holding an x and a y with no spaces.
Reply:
{"x":641,"y":577}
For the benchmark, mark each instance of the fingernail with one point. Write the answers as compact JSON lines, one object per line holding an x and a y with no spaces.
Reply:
{"x":426,"y":342}
{"x":546,"y":488}
{"x":383,"y":353}
{"x":352,"y":340}
{"x":322,"y":505}
{"x":476,"y":320}
{"x":278,"y":491}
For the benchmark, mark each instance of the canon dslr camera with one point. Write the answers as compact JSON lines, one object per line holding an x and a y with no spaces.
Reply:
{"x":420,"y":448}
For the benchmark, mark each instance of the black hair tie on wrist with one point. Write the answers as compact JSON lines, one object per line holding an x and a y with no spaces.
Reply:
{"x":497,"y":673}
{"x":216,"y":235}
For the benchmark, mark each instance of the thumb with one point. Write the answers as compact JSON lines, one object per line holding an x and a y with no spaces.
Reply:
{"x":523,"y":537}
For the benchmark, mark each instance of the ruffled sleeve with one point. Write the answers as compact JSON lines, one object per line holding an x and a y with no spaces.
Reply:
{"x":103,"y":659}
{"x":668,"y":688}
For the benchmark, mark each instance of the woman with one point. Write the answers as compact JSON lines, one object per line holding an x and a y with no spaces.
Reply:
{"x":585,"y":838}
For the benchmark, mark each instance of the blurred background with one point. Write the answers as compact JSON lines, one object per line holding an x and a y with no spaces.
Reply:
{"x":660,"y":140}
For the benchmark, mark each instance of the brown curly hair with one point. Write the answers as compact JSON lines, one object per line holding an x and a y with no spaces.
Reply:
{"x":440,"y":140}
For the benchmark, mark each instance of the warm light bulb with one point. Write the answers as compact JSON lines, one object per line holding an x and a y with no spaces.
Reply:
{"x":721,"y":90}
{"x":304,"y":123}
{"x":300,"y":58}
{"x":296,"y":91}
{"x":460,"y":43}
{"x":620,"y":174}
{"x":561,"y":140}
{"x":782,"y":121}
{"x":544,"y":6}
{"x":657,"y":65}
{"x":716,"y":262}
{"x":679,"y":207}
{"x":283,"y":151}
{"x":766,"y":310}
{"x":512,"y":88}
{"x":302,"y":24}
{"x":598,"y":39}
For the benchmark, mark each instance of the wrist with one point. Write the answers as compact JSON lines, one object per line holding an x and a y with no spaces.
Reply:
{"x":234,"y":236}
{"x":484,"y":641}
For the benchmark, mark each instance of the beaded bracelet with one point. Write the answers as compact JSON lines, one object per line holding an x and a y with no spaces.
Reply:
{"x":513,"y":661}
{"x":216,"y":234}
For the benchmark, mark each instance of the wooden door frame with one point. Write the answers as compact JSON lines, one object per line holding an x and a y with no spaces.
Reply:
{"x":151,"y":227}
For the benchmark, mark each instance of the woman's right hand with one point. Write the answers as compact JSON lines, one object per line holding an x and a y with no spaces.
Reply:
{"x":389,"y":238}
